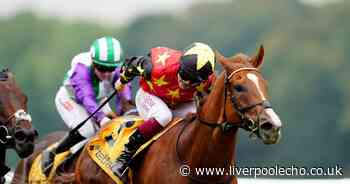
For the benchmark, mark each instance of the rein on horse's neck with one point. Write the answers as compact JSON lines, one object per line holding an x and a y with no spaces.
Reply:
{"x":205,"y":146}
{"x":209,"y":111}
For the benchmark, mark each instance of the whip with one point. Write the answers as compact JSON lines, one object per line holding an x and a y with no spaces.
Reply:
{"x":118,"y":87}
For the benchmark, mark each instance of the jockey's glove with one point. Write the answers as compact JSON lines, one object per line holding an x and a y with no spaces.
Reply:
{"x":119,"y":85}
{"x":132,"y":67}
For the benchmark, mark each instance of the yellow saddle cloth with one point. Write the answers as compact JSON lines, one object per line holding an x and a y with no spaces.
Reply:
{"x":109,"y":142}
{"x":104,"y":148}
{"x":36,"y":175}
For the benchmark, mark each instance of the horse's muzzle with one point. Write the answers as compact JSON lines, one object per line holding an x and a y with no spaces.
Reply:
{"x":24,"y":141}
{"x":270,"y":127}
{"x":25,"y":150}
{"x":269,"y":134}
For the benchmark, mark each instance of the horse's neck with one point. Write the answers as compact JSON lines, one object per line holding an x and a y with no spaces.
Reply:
{"x":208,"y":147}
{"x":202,"y":146}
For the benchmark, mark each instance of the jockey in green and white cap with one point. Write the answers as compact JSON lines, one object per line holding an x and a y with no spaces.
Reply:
{"x":106,"y":51}
{"x":89,"y":81}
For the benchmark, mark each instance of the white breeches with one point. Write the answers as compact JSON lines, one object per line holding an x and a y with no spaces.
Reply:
{"x":150,"y":106}
{"x":73,"y":113}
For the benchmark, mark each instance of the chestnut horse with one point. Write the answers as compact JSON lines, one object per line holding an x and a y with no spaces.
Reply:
{"x":16,"y":130}
{"x":207,"y":139}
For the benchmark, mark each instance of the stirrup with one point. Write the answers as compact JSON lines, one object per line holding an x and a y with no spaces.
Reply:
{"x":123,"y":176}
{"x":125,"y":172}
{"x":46,"y":169}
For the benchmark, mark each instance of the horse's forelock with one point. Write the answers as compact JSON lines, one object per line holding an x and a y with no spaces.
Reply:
{"x":240,"y":60}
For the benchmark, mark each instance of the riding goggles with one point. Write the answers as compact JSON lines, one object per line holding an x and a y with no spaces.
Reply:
{"x":104,"y":69}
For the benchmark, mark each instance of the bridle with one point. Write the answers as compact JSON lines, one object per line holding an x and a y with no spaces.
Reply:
{"x":8,"y":134}
{"x":245,"y":122}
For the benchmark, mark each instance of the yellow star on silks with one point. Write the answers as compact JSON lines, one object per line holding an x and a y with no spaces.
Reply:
{"x":161,"y":81}
{"x":150,"y":85}
{"x":174,"y":93}
{"x":204,"y":54}
{"x":200,"y":88}
{"x":162,"y":58}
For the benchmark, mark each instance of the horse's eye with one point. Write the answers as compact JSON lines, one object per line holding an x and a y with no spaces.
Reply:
{"x":239,"y":88}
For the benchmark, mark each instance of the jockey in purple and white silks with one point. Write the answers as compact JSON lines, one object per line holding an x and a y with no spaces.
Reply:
{"x":86,"y":85}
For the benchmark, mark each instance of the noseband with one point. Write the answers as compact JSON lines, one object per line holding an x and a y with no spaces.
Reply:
{"x":18,"y":116}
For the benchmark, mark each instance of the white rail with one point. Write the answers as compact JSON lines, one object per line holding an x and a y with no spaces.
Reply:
{"x":293,"y":181}
{"x":262,"y":181}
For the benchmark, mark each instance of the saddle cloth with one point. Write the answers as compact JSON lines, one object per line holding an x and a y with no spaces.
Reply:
{"x":108,"y":144}
{"x":104,"y":148}
{"x":36,"y":175}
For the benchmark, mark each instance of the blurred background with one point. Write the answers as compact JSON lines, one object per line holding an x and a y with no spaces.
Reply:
{"x":305,"y":49}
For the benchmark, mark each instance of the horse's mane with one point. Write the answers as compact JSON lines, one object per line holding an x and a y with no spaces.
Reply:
{"x":4,"y":74}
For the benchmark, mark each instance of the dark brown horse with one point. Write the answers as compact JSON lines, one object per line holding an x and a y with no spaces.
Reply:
{"x":65,"y":173}
{"x":16,"y":130}
{"x":207,"y":139}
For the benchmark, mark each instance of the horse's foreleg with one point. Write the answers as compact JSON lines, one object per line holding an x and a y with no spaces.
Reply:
{"x":234,"y":180}
{"x":21,"y":174}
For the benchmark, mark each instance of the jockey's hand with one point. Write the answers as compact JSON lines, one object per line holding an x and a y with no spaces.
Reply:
{"x":118,"y":85}
{"x":131,"y":68}
{"x":112,"y":115}
{"x":104,"y":121}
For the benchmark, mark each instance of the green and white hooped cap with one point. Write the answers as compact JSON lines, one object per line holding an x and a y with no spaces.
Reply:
{"x":107,"y":51}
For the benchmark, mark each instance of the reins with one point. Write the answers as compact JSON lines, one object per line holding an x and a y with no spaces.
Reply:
{"x":226,"y":126}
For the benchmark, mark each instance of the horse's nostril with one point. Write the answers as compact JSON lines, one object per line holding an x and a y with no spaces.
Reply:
{"x":266,"y":126}
{"x":20,"y":135}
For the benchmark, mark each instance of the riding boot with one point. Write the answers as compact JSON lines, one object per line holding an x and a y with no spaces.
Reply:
{"x":48,"y":156}
{"x":142,"y":134}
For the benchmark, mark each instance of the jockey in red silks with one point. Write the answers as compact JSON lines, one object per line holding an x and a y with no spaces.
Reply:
{"x":169,"y":80}
{"x":89,"y":81}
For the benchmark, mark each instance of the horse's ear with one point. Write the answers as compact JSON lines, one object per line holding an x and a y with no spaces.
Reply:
{"x":220,"y":58}
{"x":257,"y":60}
